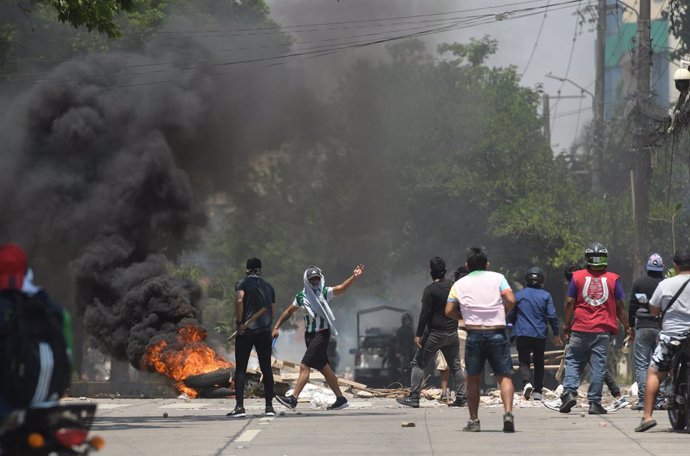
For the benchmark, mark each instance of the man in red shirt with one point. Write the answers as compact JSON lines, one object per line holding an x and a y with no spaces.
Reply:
{"x":593,"y":306}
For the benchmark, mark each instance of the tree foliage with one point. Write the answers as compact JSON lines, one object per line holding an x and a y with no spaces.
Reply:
{"x":678,"y":15}
{"x":420,"y":155}
{"x":43,"y":32}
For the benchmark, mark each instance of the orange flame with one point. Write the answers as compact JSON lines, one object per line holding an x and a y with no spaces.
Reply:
{"x":189,"y":355}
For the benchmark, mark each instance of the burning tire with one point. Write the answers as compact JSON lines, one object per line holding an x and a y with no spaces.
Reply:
{"x":220,"y":377}
{"x":214,"y":392}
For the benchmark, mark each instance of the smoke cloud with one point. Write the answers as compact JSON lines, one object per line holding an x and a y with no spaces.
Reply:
{"x":96,"y":183}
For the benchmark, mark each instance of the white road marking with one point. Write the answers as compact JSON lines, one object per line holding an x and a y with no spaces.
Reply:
{"x":247,"y":436}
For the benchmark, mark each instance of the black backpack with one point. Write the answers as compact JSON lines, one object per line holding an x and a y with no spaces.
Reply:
{"x":35,"y":365}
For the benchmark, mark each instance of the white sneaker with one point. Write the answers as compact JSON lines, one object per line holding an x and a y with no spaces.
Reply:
{"x":618,"y":404}
{"x":537,"y":397}
{"x":527,"y":391}
{"x":553,"y":405}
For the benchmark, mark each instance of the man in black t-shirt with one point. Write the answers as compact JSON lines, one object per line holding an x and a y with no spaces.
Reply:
{"x":253,"y":294}
{"x":647,"y":326}
{"x":436,"y":332}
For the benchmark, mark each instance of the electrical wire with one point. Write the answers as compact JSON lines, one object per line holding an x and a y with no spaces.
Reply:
{"x":567,"y":72}
{"x":536,"y":41}
{"x":457,"y":25}
{"x":454,"y":21}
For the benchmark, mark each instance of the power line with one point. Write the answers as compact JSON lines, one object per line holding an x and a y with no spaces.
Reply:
{"x":450,"y":21}
{"x":567,"y":72}
{"x":360,"y":23}
{"x":536,"y":41}
{"x":460,"y":24}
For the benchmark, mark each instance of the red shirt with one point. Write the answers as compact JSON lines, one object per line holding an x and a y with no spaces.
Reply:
{"x":595,"y":304}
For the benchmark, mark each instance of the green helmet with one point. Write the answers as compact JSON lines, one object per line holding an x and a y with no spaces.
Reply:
{"x":597,"y":255}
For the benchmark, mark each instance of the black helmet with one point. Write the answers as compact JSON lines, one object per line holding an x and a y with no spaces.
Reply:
{"x":597,"y":255}
{"x":535,"y":277}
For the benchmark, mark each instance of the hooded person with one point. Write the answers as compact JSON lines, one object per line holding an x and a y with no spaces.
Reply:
{"x":314,"y":299}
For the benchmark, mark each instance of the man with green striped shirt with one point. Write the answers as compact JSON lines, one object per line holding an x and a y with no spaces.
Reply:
{"x":318,"y":325}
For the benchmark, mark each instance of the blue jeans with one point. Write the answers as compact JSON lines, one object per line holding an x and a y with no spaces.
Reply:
{"x":585,"y":348}
{"x":488,"y":345}
{"x":645,"y":342}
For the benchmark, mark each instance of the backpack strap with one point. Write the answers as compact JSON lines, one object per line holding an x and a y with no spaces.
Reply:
{"x":674,"y":299}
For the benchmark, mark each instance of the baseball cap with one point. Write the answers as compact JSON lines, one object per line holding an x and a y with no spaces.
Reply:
{"x":313,"y":271}
{"x":655,"y":263}
{"x":253,"y":263}
{"x":13,"y":266}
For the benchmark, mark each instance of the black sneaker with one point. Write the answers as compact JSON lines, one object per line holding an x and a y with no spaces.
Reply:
{"x":458,"y":402}
{"x":270,"y":411}
{"x":238,"y":412}
{"x":339,"y":404}
{"x":288,"y":401}
{"x":508,"y":422}
{"x":408,"y":401}
{"x":568,"y":401}
{"x":595,"y":408}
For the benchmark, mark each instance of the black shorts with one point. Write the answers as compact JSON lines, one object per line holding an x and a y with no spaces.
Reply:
{"x":316,"y":355}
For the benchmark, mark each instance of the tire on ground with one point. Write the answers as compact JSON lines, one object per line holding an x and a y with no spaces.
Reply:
{"x":220,"y":377}
{"x":213,"y":392}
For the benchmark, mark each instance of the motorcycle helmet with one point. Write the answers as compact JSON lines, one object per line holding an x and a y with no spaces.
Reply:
{"x":535,"y":277}
{"x":597,"y":255}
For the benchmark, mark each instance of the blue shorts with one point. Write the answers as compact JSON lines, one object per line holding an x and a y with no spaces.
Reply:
{"x":492,"y":345}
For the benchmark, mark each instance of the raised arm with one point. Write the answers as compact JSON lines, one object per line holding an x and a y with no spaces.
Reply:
{"x":347,"y":283}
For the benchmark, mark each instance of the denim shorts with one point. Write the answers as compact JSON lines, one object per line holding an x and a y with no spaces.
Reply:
{"x":488,"y":345}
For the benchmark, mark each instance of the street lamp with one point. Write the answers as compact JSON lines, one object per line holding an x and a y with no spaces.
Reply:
{"x":598,"y":163}
{"x":562,"y":79}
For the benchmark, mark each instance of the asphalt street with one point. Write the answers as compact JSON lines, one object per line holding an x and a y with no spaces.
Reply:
{"x":177,"y":427}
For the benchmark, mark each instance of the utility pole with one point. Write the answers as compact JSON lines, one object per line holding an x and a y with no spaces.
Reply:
{"x":598,"y":162}
{"x":547,"y":118}
{"x":642,"y":168}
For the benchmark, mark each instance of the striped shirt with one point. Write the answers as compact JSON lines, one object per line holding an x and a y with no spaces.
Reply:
{"x":317,"y":323}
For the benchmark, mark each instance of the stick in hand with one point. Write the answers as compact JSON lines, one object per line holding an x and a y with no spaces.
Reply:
{"x":249,"y":321}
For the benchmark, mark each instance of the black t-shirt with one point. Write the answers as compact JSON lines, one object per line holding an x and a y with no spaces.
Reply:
{"x":257,"y":294}
{"x":433,"y":314}
{"x":638,"y":313}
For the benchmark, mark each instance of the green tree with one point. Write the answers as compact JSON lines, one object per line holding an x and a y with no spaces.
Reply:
{"x":678,"y":15}
{"x":420,"y":155}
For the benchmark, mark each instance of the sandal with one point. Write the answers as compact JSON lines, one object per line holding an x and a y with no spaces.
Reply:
{"x":645,"y":425}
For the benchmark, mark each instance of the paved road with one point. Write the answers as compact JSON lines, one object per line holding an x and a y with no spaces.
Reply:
{"x":133,"y":427}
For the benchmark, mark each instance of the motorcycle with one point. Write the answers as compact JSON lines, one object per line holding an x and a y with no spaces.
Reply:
{"x":677,"y":386}
{"x":56,"y":430}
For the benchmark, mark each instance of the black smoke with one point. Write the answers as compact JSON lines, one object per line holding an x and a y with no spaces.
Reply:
{"x":93,"y":184}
